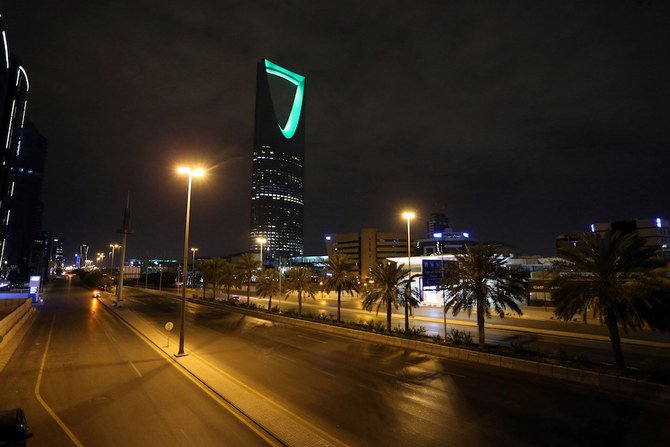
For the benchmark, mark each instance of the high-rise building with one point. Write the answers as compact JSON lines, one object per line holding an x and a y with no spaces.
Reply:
{"x":437,"y":223}
{"x":25,"y":201}
{"x":277,"y":198}
{"x":22,"y":160}
{"x":47,"y":255}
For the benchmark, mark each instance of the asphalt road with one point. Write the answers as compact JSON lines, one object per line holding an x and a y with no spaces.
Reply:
{"x":366,"y":394}
{"x":518,"y":331}
{"x":84,"y":378}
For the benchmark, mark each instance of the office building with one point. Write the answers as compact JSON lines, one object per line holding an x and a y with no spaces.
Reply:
{"x":22,"y":157}
{"x":277,"y":197}
{"x":654,"y":231}
{"x":368,"y":247}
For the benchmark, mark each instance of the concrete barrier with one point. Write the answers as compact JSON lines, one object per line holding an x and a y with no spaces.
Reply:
{"x":13,"y":322}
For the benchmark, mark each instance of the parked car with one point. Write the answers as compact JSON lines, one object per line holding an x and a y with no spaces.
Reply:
{"x":14,"y":429}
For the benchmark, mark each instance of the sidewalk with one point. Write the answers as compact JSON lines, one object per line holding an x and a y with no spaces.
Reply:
{"x":279,"y":422}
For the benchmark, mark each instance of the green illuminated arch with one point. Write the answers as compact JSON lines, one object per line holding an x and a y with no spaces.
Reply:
{"x":299,"y":81}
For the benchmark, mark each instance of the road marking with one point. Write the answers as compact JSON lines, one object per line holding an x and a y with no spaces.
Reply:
{"x":218,"y":399}
{"x":267,"y":399}
{"x":52,"y":413}
{"x":134,"y":368}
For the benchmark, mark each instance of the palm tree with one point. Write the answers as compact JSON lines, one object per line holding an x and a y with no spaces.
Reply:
{"x":616,"y":276}
{"x":386,"y":289}
{"x":211,"y":274}
{"x":410,"y":297}
{"x":301,"y":280}
{"x":339,"y":277}
{"x":229,"y":277}
{"x":268,"y":285}
{"x":247,"y":268}
{"x":481,"y":281}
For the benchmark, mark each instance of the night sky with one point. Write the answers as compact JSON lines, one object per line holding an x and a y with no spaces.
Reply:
{"x":518,"y":120}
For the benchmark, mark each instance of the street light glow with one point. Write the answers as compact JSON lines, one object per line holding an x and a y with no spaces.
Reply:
{"x":408,"y":215}
{"x":197,"y":172}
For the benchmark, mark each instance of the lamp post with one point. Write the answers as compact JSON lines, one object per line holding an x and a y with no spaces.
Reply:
{"x":409,"y":215}
{"x":113,"y":247}
{"x":193,"y":250}
{"x":191,"y":173}
{"x":261,"y":241}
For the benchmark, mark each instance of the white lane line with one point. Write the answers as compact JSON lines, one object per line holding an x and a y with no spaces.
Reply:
{"x":134,"y":368}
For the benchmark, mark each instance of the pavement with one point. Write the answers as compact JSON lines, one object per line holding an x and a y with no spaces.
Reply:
{"x":278,"y":421}
{"x":291,"y":429}
{"x":281,"y":423}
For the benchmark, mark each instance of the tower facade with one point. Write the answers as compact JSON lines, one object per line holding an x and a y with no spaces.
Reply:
{"x":277,"y":186}
{"x":22,"y":153}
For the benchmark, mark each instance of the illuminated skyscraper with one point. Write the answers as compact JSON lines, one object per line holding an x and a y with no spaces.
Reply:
{"x":277,"y":168}
{"x":22,"y":161}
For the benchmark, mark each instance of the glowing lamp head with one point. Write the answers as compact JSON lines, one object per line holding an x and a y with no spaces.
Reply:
{"x":199,"y":172}
{"x":261,"y":240}
{"x":408,"y":215}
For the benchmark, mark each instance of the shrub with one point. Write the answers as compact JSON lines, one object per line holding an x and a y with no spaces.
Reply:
{"x":457,"y":337}
{"x":411,"y":332}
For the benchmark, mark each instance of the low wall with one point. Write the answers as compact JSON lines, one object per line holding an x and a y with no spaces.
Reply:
{"x":11,"y":323}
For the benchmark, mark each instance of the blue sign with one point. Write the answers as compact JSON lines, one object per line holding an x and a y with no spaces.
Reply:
{"x":434,"y":270}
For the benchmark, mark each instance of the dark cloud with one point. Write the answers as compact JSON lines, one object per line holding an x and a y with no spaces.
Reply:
{"x":520,"y":121}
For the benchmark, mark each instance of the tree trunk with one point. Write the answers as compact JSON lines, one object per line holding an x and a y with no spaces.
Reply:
{"x":299,"y":302}
{"x":615,"y":340}
{"x":339,"y":294}
{"x":406,"y":315}
{"x":388,"y":315}
{"x":248,"y":287}
{"x":270,"y":302}
{"x":480,"y":324}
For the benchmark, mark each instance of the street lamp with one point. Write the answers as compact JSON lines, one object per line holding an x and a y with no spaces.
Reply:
{"x":409,"y":215}
{"x":191,"y":173}
{"x":261,"y":241}
{"x":113,"y":247}
{"x":193,"y":250}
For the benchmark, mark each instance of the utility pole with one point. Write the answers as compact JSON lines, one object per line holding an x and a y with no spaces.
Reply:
{"x":125,"y":230}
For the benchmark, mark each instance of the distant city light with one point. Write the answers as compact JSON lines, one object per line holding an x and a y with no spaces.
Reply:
{"x":328,"y":238}
{"x":593,"y":228}
{"x":4,"y":40}
{"x":437,"y":234}
{"x":658,"y":222}
{"x":466,"y":235}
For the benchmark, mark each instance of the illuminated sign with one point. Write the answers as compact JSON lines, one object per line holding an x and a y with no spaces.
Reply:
{"x":433,"y":271}
{"x":299,"y":81}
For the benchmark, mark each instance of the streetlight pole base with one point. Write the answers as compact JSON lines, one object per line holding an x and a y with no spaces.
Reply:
{"x":181,"y":354}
